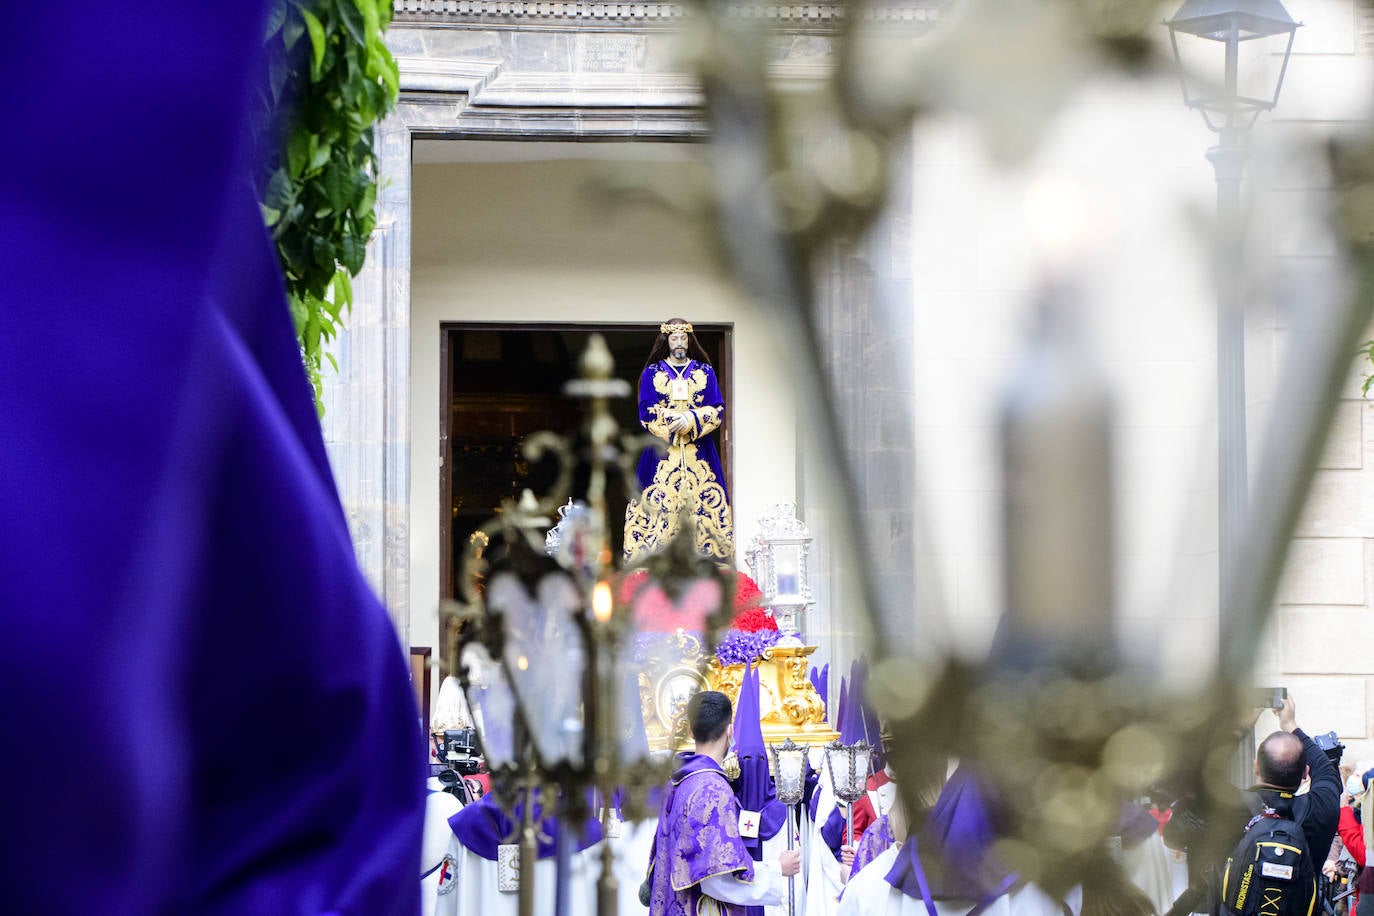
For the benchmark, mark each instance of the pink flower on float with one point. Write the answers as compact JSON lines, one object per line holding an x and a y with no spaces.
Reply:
{"x":654,"y":611}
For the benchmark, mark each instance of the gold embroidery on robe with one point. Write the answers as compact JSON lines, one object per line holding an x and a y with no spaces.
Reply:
{"x":681,"y":477}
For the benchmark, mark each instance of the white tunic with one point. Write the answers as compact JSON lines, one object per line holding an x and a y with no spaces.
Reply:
{"x":473,"y":891}
{"x":631,"y":862}
{"x":439,"y":807}
{"x":773,"y":848}
{"x":869,"y":894}
{"x":1159,"y":872}
{"x":823,"y":872}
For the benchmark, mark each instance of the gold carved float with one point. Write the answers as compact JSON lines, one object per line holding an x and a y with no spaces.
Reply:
{"x":789,"y":706}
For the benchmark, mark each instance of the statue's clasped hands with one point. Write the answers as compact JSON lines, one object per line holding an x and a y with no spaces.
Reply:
{"x":682,"y":422}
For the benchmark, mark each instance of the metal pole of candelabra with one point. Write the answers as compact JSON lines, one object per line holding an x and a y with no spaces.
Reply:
{"x":562,"y":888}
{"x":602,"y":693}
{"x":529,"y":852}
{"x":607,"y":888}
{"x":790,"y":784}
{"x":791,"y":879}
{"x":851,"y":761}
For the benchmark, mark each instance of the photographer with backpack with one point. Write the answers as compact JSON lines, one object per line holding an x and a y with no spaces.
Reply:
{"x":1271,"y":871}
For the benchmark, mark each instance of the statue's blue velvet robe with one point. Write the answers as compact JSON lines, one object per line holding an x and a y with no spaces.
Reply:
{"x":689,"y":472}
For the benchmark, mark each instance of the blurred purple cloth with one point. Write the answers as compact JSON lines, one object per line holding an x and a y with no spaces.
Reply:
{"x":838,"y":721}
{"x":959,"y":830}
{"x":833,"y":831}
{"x":820,"y":680}
{"x":877,"y":839}
{"x":482,"y":826}
{"x":193,"y":660}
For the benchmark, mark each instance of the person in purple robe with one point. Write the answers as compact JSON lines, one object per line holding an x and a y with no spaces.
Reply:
{"x":209,"y":710}
{"x":699,"y":857}
{"x":763,"y":819}
{"x":680,"y":403}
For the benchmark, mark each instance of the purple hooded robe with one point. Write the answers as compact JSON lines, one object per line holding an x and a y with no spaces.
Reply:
{"x":698,"y":838}
{"x":196,"y":667}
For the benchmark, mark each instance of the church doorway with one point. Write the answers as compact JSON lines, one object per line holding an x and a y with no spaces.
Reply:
{"x":502,"y":382}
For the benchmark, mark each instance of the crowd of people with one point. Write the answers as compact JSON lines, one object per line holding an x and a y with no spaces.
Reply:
{"x":1295,"y":841}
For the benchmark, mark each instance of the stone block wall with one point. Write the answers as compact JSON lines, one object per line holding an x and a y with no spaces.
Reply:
{"x":1317,"y":642}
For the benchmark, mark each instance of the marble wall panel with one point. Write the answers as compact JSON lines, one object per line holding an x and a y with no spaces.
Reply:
{"x":1331,"y":704}
{"x":1328,"y":27}
{"x":1324,"y":571}
{"x":1345,"y":444}
{"x":1325,"y":640}
{"x":1340,"y":504}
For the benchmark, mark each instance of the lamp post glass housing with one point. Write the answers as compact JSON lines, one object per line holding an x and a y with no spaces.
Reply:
{"x":778,"y":560}
{"x":545,"y":658}
{"x":1239,"y":26}
{"x":848,"y":765}
{"x":789,"y":778}
{"x":789,"y":770}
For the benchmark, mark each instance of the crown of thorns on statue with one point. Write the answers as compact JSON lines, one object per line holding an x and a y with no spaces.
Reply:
{"x":674,"y":328}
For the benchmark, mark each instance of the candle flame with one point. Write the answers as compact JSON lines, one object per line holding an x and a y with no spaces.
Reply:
{"x":602,"y":603}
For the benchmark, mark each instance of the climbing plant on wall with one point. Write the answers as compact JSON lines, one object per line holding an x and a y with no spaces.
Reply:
{"x":330,"y":78}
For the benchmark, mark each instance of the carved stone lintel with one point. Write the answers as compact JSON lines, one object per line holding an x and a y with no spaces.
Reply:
{"x":823,"y":16}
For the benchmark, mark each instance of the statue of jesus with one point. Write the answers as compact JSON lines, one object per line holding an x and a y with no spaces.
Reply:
{"x":680,"y":403}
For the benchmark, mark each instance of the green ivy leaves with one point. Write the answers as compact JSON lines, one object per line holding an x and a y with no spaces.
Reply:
{"x":318,"y":190}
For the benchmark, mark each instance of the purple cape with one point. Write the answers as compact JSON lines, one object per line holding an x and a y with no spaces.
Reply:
{"x":697,"y":838}
{"x":186,"y":631}
{"x":833,"y":831}
{"x":483,"y":826}
{"x":875,"y":841}
{"x":959,"y":829}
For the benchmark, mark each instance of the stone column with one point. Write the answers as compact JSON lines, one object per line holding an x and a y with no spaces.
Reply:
{"x":865,"y":319}
{"x":367,"y":403}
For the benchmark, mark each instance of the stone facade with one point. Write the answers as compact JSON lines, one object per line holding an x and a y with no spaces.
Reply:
{"x":920,"y":325}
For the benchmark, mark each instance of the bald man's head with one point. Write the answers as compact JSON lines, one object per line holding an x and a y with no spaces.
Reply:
{"x":1279,"y":762}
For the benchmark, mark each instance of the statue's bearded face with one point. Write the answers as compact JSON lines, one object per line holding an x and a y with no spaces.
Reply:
{"x":677,"y":344}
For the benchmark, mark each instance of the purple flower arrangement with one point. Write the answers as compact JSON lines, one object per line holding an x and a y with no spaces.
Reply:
{"x":740,"y":647}
{"x":737,"y":647}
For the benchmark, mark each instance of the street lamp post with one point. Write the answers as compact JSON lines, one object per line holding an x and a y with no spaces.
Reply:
{"x":1229,"y":112}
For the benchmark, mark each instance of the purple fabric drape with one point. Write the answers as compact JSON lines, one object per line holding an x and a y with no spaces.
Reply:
{"x":959,"y":830}
{"x":876,"y":840}
{"x":820,"y":680}
{"x":204,"y":671}
{"x":482,"y":826}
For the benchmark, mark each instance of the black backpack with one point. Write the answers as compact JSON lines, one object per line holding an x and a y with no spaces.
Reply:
{"x":1270,"y":872}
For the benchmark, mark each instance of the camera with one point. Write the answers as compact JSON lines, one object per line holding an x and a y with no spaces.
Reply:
{"x":456,"y":749}
{"x":456,"y":752}
{"x":1331,"y":746}
{"x":1268,"y":697}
